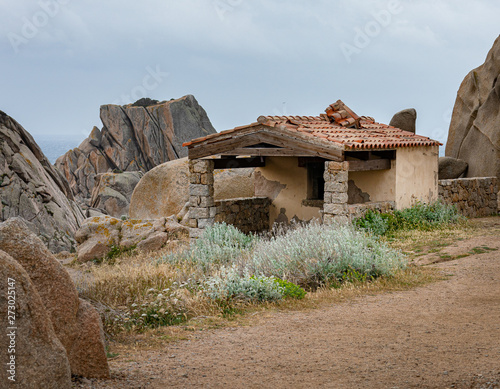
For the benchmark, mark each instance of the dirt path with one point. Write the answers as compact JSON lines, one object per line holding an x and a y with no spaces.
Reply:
{"x":444,"y":335}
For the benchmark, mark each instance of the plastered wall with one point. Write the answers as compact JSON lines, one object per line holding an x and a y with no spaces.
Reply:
{"x":285,"y":184}
{"x":416,"y":175}
{"x":412,"y":177}
{"x":379,"y":184}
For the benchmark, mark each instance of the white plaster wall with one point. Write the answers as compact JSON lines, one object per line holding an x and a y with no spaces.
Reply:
{"x":416,"y":175}
{"x":285,"y":183}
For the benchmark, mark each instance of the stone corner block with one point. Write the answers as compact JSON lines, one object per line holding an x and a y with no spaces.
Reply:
{"x":201,"y":190}
{"x":199,"y":213}
{"x":335,"y":209}
{"x":204,"y":223}
{"x":333,"y":167}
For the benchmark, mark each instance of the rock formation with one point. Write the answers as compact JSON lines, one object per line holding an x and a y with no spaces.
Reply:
{"x":99,"y":235}
{"x":164,"y":190}
{"x":87,"y":356}
{"x":134,"y":137}
{"x":450,"y":168}
{"x":40,"y":359}
{"x":405,"y":120}
{"x":112,"y":192}
{"x":30,"y":187}
{"x":474,"y":134}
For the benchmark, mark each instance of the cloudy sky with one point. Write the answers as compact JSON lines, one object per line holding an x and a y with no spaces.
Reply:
{"x":61,"y":59}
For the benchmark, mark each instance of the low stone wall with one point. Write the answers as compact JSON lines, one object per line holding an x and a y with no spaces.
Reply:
{"x":473,"y":197}
{"x":359,"y":210}
{"x":247,"y":214}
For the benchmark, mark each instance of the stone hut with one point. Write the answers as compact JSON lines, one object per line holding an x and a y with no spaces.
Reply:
{"x":331,"y":167}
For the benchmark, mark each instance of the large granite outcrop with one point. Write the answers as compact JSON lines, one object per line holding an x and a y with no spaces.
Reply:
{"x":30,"y":187}
{"x":70,"y":316}
{"x":474,"y":134}
{"x":164,"y":190}
{"x":32,"y":355}
{"x":134,"y":137}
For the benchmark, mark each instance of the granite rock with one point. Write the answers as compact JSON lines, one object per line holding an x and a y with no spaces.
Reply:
{"x":40,"y":358}
{"x":474,"y":134}
{"x":31,"y":188}
{"x":405,"y":120}
{"x":133,"y":138}
{"x":59,"y":297}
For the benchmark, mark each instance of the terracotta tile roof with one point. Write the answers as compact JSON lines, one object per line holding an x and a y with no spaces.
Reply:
{"x":341,"y":126}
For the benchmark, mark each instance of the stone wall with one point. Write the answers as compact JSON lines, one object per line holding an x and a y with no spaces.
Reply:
{"x":335,"y":197}
{"x":201,"y":193}
{"x":473,"y":197}
{"x":247,"y":214}
{"x":359,"y":210}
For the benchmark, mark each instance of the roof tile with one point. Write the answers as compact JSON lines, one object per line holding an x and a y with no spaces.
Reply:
{"x":339,"y":125}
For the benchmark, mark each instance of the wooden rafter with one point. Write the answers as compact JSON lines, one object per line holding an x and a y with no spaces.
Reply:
{"x":288,"y":143}
{"x":374,"y":164}
{"x":236,"y":163}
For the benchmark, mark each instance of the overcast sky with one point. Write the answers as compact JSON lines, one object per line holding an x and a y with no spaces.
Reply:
{"x":62,"y":59}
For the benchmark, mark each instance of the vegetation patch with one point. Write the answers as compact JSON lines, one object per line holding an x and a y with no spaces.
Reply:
{"x":226,"y":274}
{"x":117,"y":251}
{"x":481,"y":250}
{"x":425,"y":217}
{"x":225,"y":271}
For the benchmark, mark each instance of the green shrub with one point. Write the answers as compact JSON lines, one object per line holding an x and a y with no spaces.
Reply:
{"x":352,"y":275}
{"x":230,"y":284}
{"x":420,"y":216}
{"x":231,"y":266}
{"x":314,"y":255}
{"x":374,"y":222}
{"x":221,"y":244}
{"x":290,"y":289}
{"x":426,"y":216}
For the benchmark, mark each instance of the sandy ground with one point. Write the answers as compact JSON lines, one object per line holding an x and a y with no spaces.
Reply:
{"x":444,"y":335}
